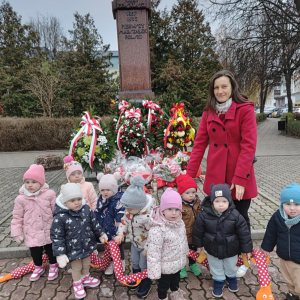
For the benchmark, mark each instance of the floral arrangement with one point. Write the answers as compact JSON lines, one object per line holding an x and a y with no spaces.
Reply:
{"x":132,"y":137}
{"x":182,"y":158}
{"x":179,"y":133}
{"x":92,"y":145}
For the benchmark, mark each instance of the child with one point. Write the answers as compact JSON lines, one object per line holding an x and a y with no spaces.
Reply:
{"x":283,"y":230}
{"x":74,"y":173}
{"x":109,"y":211}
{"x":138,"y":207}
{"x":167,"y":245}
{"x":33,"y":215}
{"x":74,"y":233}
{"x":191,"y":206}
{"x":224,"y":233}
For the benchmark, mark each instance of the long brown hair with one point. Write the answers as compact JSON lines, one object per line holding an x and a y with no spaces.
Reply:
{"x":236,"y":94}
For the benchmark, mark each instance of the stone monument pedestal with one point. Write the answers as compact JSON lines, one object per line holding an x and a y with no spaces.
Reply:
{"x":134,"y":53}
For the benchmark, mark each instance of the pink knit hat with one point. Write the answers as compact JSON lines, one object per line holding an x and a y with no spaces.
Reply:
{"x":71,"y":165}
{"x":170,"y":199}
{"x":108,"y":181}
{"x":35,"y":172}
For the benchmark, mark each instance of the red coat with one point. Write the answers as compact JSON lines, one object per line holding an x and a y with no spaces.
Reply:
{"x":232,"y":149}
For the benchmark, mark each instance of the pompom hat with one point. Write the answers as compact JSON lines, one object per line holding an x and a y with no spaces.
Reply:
{"x":170,"y":199}
{"x":135,"y":196}
{"x":185,"y":182}
{"x":35,"y":172}
{"x":291,"y":193}
{"x":71,"y":165}
{"x":108,"y":181}
{"x":70,"y":191}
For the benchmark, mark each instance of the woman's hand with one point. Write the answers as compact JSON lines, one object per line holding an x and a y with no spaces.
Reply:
{"x":239,"y":191}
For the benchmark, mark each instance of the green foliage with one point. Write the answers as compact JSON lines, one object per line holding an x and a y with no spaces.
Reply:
{"x":182,"y":55}
{"x":291,"y":116}
{"x":297,"y":117}
{"x":260,"y":117}
{"x":293,"y":128}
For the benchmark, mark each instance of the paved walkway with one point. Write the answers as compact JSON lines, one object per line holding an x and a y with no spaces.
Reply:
{"x":277,"y":166}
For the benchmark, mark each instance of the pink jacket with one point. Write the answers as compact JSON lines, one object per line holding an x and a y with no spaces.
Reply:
{"x":89,"y":194}
{"x":167,"y":246}
{"x":33,"y":216}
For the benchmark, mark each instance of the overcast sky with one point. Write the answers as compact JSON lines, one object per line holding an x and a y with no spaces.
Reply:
{"x":64,"y":10}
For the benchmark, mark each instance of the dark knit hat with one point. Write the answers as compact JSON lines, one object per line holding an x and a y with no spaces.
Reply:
{"x":185,"y":182}
{"x":220,"y":190}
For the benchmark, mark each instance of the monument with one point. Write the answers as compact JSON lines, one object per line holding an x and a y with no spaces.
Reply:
{"x":134,"y":52}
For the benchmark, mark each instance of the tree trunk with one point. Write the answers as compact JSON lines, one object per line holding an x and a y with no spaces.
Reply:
{"x":262,"y":103}
{"x":288,"y":82}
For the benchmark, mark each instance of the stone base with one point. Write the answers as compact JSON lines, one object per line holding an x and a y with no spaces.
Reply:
{"x":50,"y":161}
{"x":136,"y":95}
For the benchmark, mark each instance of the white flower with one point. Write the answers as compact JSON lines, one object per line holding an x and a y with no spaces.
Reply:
{"x":138,"y":134}
{"x":188,"y":144}
{"x":165,"y":132}
{"x":181,"y":133}
{"x":102,"y":139}
{"x":170,"y":146}
{"x":183,"y":172}
{"x":179,"y":119}
{"x":130,"y":131}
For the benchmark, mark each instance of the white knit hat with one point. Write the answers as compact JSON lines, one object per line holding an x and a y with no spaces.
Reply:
{"x":71,"y":191}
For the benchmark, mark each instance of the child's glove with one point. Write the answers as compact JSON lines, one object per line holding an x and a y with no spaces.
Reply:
{"x":19,"y":239}
{"x":102,"y":238}
{"x":62,"y":260}
{"x":201,"y":257}
{"x":245,"y":260}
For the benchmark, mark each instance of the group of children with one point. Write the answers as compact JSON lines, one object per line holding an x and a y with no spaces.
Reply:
{"x":68,"y":228}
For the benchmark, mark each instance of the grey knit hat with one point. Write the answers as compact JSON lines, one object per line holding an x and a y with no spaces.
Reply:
{"x":70,"y":191}
{"x":135,"y":196}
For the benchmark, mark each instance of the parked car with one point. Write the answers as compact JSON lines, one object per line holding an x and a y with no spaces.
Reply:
{"x":297,"y":110}
{"x":269,"y":111}
{"x":273,"y":112}
{"x":282,"y":111}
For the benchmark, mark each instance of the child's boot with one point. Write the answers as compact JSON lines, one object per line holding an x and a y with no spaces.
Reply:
{"x":53,"y":271}
{"x":132,"y":286}
{"x":144,"y":288}
{"x":110,"y":269}
{"x":195,"y":269}
{"x":183,"y":273}
{"x":232,"y":284}
{"x":177,"y":295}
{"x":90,"y":281}
{"x":290,"y":296}
{"x":38,"y":271}
{"x":241,"y":271}
{"x":218,"y":288}
{"x":79,"y":291}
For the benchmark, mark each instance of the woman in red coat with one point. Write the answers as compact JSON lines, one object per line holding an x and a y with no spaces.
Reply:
{"x":228,"y":124}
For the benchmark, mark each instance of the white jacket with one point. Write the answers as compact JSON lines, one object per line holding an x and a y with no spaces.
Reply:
{"x":167,"y":246}
{"x":136,"y":227}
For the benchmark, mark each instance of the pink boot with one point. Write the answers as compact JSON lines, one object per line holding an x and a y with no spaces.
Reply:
{"x":90,"y":281}
{"x":38,"y":271}
{"x":79,"y":291}
{"x":53,"y":271}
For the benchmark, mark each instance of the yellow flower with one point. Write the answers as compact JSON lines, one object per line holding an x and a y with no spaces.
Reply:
{"x":103,"y":156}
{"x":181,"y":144}
{"x":178,"y":141}
{"x":174,"y":124}
{"x":87,"y":140}
{"x":170,"y":140}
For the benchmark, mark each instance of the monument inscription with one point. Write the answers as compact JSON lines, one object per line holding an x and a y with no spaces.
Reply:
{"x":133,"y":42}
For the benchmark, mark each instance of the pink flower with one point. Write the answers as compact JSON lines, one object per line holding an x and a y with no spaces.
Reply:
{"x":132,"y":150}
{"x":131,"y":135}
{"x":138,"y":125}
{"x":165,"y":122}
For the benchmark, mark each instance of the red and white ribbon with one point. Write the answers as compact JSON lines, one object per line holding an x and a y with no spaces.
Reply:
{"x":88,"y":125}
{"x":150,"y":105}
{"x":123,"y":105}
{"x":133,"y":113}
{"x":119,"y":139}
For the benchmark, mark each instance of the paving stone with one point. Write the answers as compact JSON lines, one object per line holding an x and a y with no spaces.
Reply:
{"x":61,"y":295}
{"x":19,"y":293}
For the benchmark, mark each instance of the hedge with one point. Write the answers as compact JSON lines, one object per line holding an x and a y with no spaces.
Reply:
{"x":25,"y":134}
{"x":293,"y":128}
{"x":260,"y":117}
{"x":291,"y":116}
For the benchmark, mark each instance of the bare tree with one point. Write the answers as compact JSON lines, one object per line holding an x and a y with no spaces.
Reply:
{"x":49,"y":31}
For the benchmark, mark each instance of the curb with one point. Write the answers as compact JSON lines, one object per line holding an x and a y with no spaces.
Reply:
{"x":20,"y":252}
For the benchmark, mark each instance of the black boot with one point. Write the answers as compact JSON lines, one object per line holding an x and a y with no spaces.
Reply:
{"x":144,"y":288}
{"x":133,"y":288}
{"x":290,"y":296}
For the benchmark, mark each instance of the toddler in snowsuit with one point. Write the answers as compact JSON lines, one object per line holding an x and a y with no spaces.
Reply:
{"x":74,"y":233}
{"x":283,"y":230}
{"x":33,"y":216}
{"x":224,"y":234}
{"x":109,"y":211}
{"x":191,"y":206}
{"x":74,"y":173}
{"x":135,"y":222}
{"x":167,"y":245}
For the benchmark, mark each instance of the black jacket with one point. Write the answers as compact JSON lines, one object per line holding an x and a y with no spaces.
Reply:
{"x":287,"y":239}
{"x":74,"y":233}
{"x":222,"y":236}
